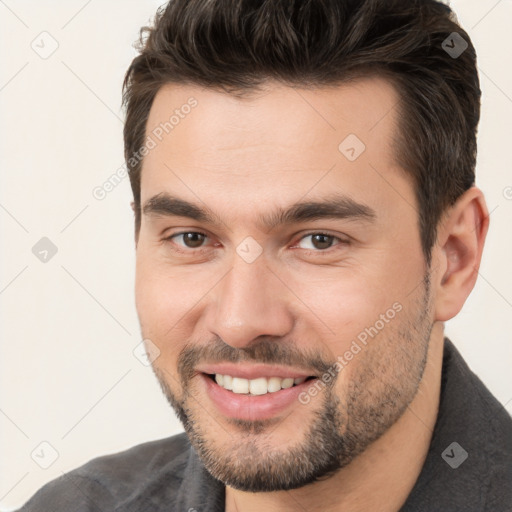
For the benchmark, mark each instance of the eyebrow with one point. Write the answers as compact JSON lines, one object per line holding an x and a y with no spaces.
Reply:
{"x":335,"y":206}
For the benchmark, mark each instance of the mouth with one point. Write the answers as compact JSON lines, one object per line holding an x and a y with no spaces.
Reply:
{"x":254,"y":392}
{"x":258,"y":386}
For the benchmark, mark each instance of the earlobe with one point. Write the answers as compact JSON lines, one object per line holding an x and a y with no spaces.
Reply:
{"x":461,"y":239}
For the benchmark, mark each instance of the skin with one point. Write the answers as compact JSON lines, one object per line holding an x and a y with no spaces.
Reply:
{"x":243,"y":158}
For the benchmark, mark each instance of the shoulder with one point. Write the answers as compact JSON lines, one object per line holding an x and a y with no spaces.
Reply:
{"x":105,"y":482}
{"x":484,"y":428}
{"x":495,"y":436}
{"x":469,"y":463}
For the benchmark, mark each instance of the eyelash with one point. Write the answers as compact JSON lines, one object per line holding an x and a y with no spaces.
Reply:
{"x":187,"y":250}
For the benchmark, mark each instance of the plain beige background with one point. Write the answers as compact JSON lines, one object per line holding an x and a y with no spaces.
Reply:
{"x":69,"y":376}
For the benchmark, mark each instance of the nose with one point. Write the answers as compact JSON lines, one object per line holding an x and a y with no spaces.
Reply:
{"x":250,"y":301}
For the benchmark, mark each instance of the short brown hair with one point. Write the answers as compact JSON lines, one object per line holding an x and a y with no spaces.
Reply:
{"x":236,"y":45}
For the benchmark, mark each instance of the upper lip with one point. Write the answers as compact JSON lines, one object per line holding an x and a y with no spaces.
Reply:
{"x":252,"y":371}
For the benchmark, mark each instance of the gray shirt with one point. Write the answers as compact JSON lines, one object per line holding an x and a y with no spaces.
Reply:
{"x":468,"y":467}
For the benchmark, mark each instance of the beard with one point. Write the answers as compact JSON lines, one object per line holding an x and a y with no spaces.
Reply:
{"x":343,"y":424}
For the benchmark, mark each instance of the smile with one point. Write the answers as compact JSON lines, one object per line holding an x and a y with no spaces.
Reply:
{"x":258,"y":386}
{"x":253,"y":392}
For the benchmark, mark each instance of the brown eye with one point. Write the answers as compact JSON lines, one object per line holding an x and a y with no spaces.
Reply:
{"x":322,"y":241}
{"x":191,"y":239}
{"x":318,"y":241}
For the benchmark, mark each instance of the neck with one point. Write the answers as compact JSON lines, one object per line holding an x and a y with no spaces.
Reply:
{"x":382,"y":477}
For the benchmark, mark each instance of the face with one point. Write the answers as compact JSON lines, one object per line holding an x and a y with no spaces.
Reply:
{"x":281,"y":277}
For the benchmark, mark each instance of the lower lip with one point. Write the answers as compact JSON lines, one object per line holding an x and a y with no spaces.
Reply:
{"x":252,"y":407}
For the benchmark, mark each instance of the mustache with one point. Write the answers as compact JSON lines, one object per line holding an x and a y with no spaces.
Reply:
{"x":266,"y":350}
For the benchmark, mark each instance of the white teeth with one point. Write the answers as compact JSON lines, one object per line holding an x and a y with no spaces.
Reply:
{"x":240,"y":385}
{"x":228,"y":382}
{"x":274,"y":384}
{"x":259,"y":386}
{"x":287,"y":383}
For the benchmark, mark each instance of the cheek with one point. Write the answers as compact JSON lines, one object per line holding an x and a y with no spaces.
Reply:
{"x":159,"y":320}
{"x":168,"y":302}
{"x":159,"y":292}
{"x":345,"y":305}
{"x":160,"y":305}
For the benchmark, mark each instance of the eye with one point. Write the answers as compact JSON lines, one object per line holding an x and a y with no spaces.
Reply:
{"x":189,"y":239}
{"x":314,"y":242}
{"x":319,"y":241}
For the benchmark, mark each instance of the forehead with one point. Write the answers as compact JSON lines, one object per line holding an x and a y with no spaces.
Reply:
{"x":283,"y":142}
{"x":278,"y":115}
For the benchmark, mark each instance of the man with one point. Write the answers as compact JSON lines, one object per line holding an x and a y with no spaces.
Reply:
{"x":306,"y":220}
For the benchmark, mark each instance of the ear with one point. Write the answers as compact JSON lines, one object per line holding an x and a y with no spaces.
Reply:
{"x":459,"y":247}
